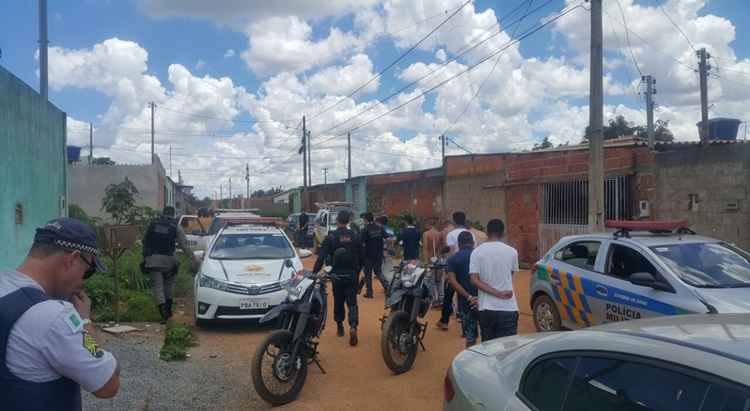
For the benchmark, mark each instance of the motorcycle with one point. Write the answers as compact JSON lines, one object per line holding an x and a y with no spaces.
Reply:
{"x":409,"y":298}
{"x":279,"y":366}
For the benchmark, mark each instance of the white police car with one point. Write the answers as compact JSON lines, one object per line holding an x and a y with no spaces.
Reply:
{"x":645,"y":269}
{"x":242,"y":276}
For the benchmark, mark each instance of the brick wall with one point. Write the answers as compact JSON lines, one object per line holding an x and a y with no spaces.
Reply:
{"x":422,"y":197}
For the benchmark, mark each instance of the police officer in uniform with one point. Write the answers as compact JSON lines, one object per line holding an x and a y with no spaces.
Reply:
{"x":47,"y":348}
{"x":373,"y":242}
{"x":341,"y":250}
{"x":159,"y":261}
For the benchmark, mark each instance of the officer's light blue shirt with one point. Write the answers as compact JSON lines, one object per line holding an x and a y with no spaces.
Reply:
{"x":48,"y":342}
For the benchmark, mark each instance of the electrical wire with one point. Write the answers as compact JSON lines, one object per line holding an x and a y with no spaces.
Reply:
{"x":627,"y":37}
{"x":678,"y":28}
{"x":394,"y":62}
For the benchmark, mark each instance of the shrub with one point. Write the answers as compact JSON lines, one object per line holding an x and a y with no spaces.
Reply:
{"x":177,"y":339}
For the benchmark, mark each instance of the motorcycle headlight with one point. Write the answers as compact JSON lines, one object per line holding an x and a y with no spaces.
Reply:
{"x":210,"y":282}
{"x":292,"y":285}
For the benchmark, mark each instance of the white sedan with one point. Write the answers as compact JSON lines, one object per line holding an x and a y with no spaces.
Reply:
{"x":684,"y":362}
{"x":242,"y":275}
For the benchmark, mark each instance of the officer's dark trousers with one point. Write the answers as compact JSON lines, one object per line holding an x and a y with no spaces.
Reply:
{"x":345,"y":294}
{"x":374,"y":265}
{"x":445,"y":316}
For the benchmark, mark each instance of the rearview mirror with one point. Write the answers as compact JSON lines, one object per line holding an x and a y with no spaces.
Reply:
{"x":304,"y":253}
{"x":648,"y":280}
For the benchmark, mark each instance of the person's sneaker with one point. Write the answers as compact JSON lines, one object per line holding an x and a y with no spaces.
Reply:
{"x":353,"y":337}
{"x":340,"y":329}
{"x":441,"y":326}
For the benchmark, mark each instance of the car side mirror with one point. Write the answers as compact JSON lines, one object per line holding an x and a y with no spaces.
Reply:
{"x":304,"y":253}
{"x":648,"y":280}
{"x":199,"y":253}
{"x":288,"y":263}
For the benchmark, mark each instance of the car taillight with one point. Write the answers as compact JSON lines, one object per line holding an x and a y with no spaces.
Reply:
{"x":448,"y":391}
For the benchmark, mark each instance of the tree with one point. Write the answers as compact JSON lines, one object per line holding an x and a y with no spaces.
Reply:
{"x":661,"y":132}
{"x":544,"y":144}
{"x":119,"y":201}
{"x":619,"y":127}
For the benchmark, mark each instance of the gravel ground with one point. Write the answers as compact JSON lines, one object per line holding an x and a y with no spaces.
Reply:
{"x":148,"y":383}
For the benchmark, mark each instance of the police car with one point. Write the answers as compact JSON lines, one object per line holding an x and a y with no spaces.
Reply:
{"x":243,"y":273}
{"x":644,"y":269}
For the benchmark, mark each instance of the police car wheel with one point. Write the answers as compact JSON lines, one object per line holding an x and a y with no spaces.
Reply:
{"x":546,"y":317}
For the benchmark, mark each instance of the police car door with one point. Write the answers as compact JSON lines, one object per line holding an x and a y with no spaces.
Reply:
{"x":572,"y":265}
{"x":619,"y":300}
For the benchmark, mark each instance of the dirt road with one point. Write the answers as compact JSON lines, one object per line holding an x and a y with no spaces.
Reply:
{"x":357,"y":377}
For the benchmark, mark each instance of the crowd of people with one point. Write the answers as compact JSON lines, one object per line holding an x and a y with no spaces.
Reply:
{"x":478,"y":270}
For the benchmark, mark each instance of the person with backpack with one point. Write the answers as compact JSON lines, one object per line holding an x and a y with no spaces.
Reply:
{"x":159,"y":261}
{"x":342,"y":250}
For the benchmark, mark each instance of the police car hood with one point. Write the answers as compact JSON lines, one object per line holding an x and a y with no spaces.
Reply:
{"x":247,"y":271}
{"x":727,"y":300}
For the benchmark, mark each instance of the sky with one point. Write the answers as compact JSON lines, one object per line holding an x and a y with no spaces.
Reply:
{"x":232,"y":79}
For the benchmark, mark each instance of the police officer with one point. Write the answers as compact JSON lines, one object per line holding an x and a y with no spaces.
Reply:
{"x":373,"y":241}
{"x":159,"y":260}
{"x":47,"y":348}
{"x":341,"y":249}
{"x":304,"y":220}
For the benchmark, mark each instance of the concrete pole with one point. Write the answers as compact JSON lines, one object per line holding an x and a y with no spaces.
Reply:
{"x":596,"y":123}
{"x":91,"y":143}
{"x":304,"y":153}
{"x":43,"y":44}
{"x":703,"y":69}
{"x":247,"y":185}
{"x":309,"y":158}
{"x":325,"y":176}
{"x":442,"y":142}
{"x":650,"y":91}
{"x":349,"y":153}
{"x":152,"y":131}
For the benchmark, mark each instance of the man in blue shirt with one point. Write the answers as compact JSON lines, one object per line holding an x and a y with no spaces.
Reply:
{"x":458,"y":277}
{"x":410,"y":239}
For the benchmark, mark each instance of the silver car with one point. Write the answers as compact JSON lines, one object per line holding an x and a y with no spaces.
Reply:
{"x":593,"y":279}
{"x":685,"y":363}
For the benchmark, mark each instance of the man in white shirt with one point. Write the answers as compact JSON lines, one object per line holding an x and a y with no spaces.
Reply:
{"x":451,"y":241}
{"x":491,"y":271}
{"x":459,"y":219}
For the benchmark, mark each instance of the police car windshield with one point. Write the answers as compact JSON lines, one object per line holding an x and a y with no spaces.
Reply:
{"x":708,"y":265}
{"x":245,"y":246}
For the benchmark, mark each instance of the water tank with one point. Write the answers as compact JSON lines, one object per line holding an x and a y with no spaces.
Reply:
{"x":74,"y":154}
{"x":721,"y":128}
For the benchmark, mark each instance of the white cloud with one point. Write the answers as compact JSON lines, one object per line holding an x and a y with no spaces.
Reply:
{"x":199,"y":65}
{"x":344,"y":79}
{"x":229,"y":53}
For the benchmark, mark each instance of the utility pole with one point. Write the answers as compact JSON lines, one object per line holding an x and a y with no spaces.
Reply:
{"x":309,"y":158}
{"x":325,"y":175}
{"x":221,"y":193}
{"x":650,"y":91}
{"x":442,"y":142}
{"x":230,"y":192}
{"x":247,"y":183}
{"x":596,"y":120}
{"x":349,"y":154}
{"x":43,"y":44}
{"x":303,"y":151}
{"x":91,"y":143}
{"x":703,"y":68}
{"x":170,"y":160}
{"x":152,"y":131}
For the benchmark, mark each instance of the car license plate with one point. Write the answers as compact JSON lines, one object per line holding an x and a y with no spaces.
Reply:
{"x":252,"y":304}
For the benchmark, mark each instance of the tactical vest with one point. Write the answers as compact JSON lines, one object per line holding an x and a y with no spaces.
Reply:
{"x":21,"y":395}
{"x":161,"y":236}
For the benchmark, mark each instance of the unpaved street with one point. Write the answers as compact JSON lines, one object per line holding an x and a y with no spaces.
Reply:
{"x":217,"y":375}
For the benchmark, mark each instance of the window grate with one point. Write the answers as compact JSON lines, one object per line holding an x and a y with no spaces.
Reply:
{"x":567,"y":203}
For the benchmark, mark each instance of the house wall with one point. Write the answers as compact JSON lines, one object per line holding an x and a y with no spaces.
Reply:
{"x":87,"y":185}
{"x":32,"y":165}
{"x":719,"y":175}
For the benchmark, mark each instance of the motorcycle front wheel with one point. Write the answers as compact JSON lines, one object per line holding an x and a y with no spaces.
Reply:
{"x":398,"y":342}
{"x":277,"y":377}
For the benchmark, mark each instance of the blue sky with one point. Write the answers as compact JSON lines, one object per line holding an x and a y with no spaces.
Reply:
{"x":517,"y":106}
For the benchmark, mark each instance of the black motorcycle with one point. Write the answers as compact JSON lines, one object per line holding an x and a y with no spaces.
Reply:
{"x":280,"y":362}
{"x":409,"y":298}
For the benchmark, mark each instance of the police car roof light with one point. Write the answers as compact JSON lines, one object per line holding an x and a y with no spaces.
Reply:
{"x":273,"y":221}
{"x":656,"y":227}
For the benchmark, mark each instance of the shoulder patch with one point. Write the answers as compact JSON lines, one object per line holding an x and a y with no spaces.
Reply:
{"x":74,"y":321}
{"x":89,"y":343}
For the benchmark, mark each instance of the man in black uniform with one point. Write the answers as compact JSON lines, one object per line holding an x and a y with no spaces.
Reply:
{"x":159,"y":260}
{"x":373,"y":241}
{"x":342,"y":250}
{"x":304,"y":220}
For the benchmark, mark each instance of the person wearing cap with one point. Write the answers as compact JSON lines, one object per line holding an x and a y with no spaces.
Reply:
{"x":159,"y":261}
{"x":47,"y":346}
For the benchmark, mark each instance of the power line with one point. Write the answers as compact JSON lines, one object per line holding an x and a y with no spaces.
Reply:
{"x":479,"y":89}
{"x":635,"y":89}
{"x":202,"y":116}
{"x":678,"y":28}
{"x":442,"y":66}
{"x":394,"y":62}
{"x":627,"y":37}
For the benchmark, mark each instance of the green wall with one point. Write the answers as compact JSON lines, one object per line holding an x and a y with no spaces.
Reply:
{"x":32,"y":165}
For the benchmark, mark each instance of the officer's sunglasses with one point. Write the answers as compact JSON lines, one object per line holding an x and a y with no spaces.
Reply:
{"x":91,"y":270}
